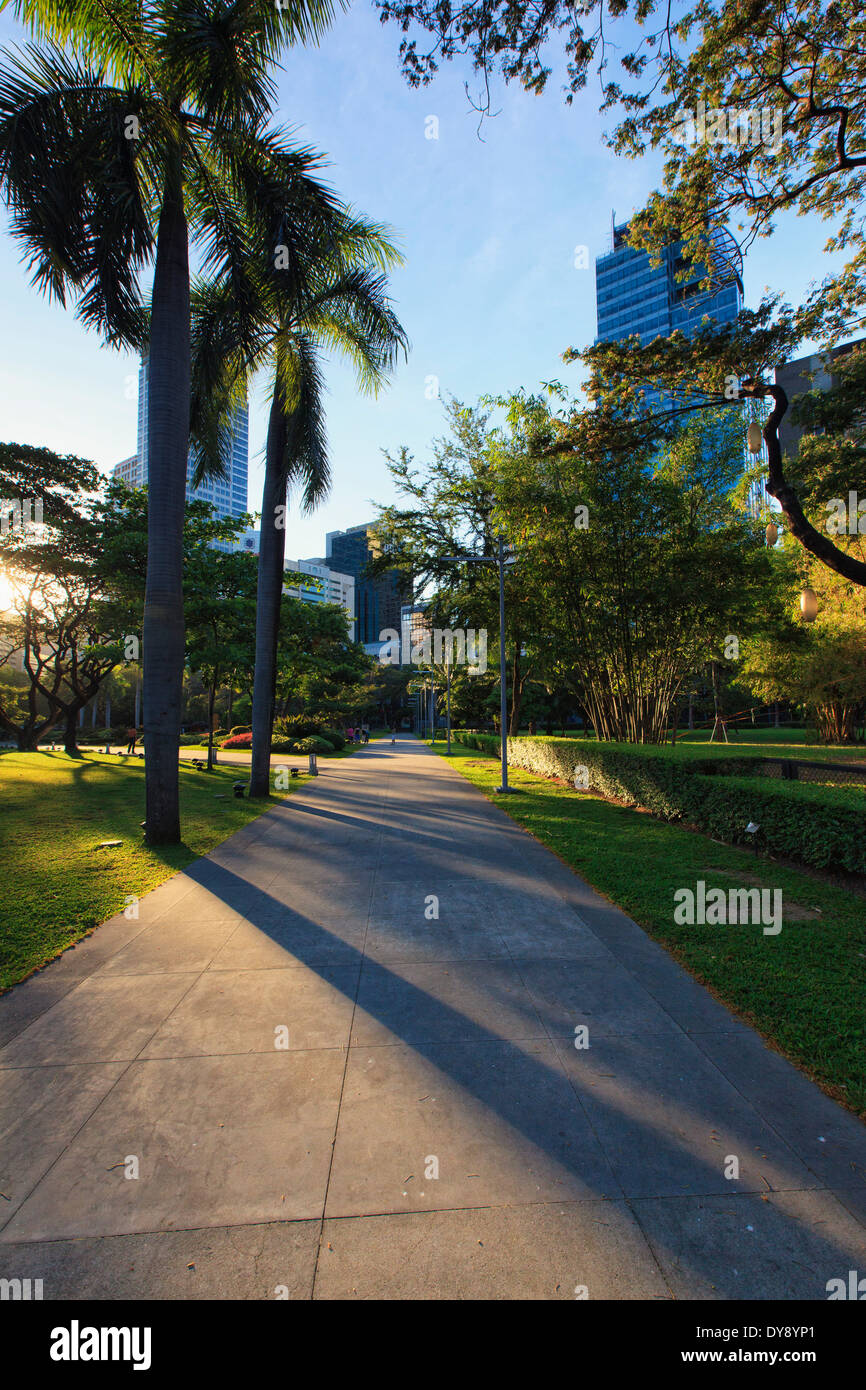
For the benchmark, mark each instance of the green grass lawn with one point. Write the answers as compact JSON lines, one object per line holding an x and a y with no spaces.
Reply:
{"x":57,"y":884}
{"x":803,"y":990}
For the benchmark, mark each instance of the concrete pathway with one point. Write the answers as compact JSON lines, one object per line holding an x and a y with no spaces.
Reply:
{"x":327,"y":1091}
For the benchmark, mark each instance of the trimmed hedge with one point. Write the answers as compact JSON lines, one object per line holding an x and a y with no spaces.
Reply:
{"x":238,"y":741}
{"x":824,"y":827}
{"x":821,"y":826}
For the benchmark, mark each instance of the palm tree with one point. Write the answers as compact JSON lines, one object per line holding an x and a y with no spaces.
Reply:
{"x":317,"y":288}
{"x":152,"y":135}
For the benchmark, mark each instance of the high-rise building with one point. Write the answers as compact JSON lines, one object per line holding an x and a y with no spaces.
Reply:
{"x":331,"y":587}
{"x":128,"y":471}
{"x":633,"y":296}
{"x":325,"y":585}
{"x":812,"y":373}
{"x":228,"y":495}
{"x":377,"y":600}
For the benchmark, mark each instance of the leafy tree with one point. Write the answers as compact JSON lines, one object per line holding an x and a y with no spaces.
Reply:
{"x":820,"y":666}
{"x":759,"y":108}
{"x":788,"y":84}
{"x":220,"y":592}
{"x":717,"y":368}
{"x":639,"y":562}
{"x":54,"y":625}
{"x":150,"y":132}
{"x":55,"y":610}
{"x":318,"y":669}
{"x":452,"y":512}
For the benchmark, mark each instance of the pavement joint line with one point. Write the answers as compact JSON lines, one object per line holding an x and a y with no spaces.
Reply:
{"x":363,"y":954}
{"x":561,"y":1202}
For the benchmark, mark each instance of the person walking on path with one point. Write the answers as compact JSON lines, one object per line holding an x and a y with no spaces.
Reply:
{"x":132,"y":735}
{"x":393,"y":734}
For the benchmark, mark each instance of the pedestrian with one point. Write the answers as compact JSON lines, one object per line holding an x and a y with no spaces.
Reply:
{"x":365,"y":732}
{"x":350,"y":733}
{"x":393,"y":734}
{"x":132,"y":735}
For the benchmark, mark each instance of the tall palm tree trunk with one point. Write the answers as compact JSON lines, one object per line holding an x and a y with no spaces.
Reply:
{"x":168,"y":449}
{"x":272,"y":550}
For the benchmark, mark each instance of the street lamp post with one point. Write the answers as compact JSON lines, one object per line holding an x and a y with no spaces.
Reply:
{"x":503,"y":701}
{"x":448,"y":700}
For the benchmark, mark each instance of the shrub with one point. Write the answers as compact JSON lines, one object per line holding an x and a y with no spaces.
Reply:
{"x":296,"y":726}
{"x":314,"y":744}
{"x":240,"y":729}
{"x":284,"y":745}
{"x":334,"y":736}
{"x":821,"y":826}
{"x":244,"y":740}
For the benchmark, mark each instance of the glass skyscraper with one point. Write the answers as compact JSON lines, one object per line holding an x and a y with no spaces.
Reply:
{"x":633,"y":296}
{"x":227,"y":496}
{"x":377,"y":600}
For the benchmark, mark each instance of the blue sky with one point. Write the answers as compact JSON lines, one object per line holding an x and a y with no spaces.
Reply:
{"x":489,"y":294}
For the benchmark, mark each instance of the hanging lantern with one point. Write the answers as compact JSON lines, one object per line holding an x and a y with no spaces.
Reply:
{"x":754,"y":438}
{"x":772,"y":533}
{"x":809,"y":605}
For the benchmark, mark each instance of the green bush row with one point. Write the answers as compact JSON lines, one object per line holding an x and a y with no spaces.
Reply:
{"x":313,"y":743}
{"x":821,"y":826}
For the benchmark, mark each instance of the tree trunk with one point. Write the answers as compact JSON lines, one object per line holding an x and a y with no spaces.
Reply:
{"x":211,"y":701}
{"x":168,"y":450}
{"x":516,"y":692}
{"x":272,"y":550}
{"x":107,"y":713}
{"x":69,"y":738}
{"x":717,"y":725}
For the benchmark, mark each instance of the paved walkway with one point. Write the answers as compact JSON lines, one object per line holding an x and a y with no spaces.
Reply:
{"x":328,"y":1091}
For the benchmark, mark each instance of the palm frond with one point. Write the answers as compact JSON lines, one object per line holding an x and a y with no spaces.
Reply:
{"x":299,"y":386}
{"x":111,"y":33}
{"x":224,"y":347}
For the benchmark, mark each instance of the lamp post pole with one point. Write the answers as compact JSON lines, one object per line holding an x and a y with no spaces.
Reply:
{"x":448,"y":699}
{"x":503,"y":699}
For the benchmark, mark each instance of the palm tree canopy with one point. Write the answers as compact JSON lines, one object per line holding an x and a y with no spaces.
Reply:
{"x":314,"y":283}
{"x":86,"y":137}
